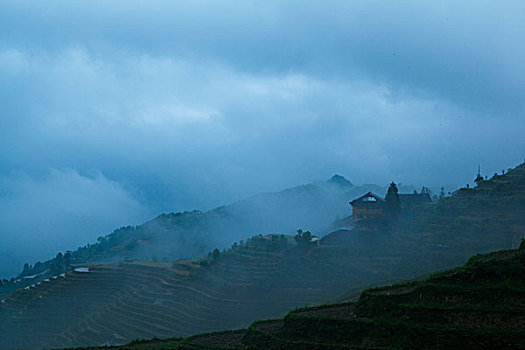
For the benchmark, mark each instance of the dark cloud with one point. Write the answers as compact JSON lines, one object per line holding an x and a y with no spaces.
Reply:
{"x":192,"y":105}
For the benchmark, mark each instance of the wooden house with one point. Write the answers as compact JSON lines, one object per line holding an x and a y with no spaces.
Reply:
{"x":367,"y":208}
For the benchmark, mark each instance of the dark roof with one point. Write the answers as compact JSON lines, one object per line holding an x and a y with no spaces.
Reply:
{"x":414,"y":198}
{"x":367,"y":197}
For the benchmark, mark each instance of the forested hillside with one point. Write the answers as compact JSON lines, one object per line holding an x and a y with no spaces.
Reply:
{"x":173,"y":236}
{"x":263,"y":277}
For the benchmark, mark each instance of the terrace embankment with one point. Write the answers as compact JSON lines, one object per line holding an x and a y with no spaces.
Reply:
{"x":478,"y":306}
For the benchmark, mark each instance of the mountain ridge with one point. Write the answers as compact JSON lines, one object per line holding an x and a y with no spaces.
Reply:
{"x":172,"y":236}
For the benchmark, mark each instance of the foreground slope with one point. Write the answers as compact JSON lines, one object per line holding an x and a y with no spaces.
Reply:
{"x":113,"y":304}
{"x":480,"y":305}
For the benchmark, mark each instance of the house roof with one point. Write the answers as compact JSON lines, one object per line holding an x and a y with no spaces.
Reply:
{"x":414,"y":198}
{"x":405,"y":198}
{"x":367,"y":198}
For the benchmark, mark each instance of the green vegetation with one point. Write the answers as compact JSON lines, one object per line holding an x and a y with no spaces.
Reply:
{"x":393,"y":204}
{"x":173,"y":236}
{"x":480,"y":305}
{"x":266,"y":276}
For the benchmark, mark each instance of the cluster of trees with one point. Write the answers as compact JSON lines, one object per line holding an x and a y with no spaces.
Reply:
{"x":61,"y":263}
{"x":268,"y":243}
{"x":303,"y":238}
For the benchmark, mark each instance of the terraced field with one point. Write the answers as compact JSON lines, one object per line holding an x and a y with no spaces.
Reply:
{"x":113,"y":304}
{"x":458,"y":309}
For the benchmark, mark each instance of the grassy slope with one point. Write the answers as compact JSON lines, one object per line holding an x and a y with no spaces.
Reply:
{"x":114,"y":304}
{"x":480,"y":305}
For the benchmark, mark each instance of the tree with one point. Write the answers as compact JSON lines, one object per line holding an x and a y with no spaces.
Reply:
{"x":215,"y":254}
{"x":303,"y":238}
{"x":307,"y":236}
{"x":393,"y":205}
{"x":26,"y":269}
{"x":57,"y":265}
{"x":425,"y":190}
{"x":67,"y":258}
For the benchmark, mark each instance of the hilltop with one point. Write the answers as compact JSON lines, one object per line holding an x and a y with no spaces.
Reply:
{"x":263,"y":277}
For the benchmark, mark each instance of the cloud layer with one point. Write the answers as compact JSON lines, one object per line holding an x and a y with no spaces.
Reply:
{"x":195,"y":104}
{"x":59,"y":211}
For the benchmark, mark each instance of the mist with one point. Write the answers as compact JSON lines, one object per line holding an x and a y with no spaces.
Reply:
{"x":59,"y":211}
{"x":114,"y":113}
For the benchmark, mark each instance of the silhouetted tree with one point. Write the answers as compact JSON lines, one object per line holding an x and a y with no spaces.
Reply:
{"x":393,"y":205}
{"x":58,"y":265}
{"x":67,"y":258}
{"x":442,"y":193}
{"x":425,"y":190}
{"x":303,"y":239}
{"x":26,"y":269}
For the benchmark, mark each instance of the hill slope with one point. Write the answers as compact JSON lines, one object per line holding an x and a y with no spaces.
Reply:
{"x":117,"y":303}
{"x":191,"y":234}
{"x":261,"y":278}
{"x":480,"y":305}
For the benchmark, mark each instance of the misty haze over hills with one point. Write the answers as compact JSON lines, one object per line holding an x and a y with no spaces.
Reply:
{"x":169,"y":168}
{"x":191,"y":234}
{"x":114,"y":113}
{"x":266,"y":276}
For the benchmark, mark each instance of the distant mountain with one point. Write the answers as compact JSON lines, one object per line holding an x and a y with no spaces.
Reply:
{"x":341,"y":181}
{"x":173,"y":236}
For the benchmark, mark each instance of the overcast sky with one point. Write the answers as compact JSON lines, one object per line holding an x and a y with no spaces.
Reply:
{"x":111,"y":112}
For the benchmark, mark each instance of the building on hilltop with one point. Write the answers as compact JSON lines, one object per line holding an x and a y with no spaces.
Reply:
{"x":370,"y":210}
{"x":369,"y":207}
